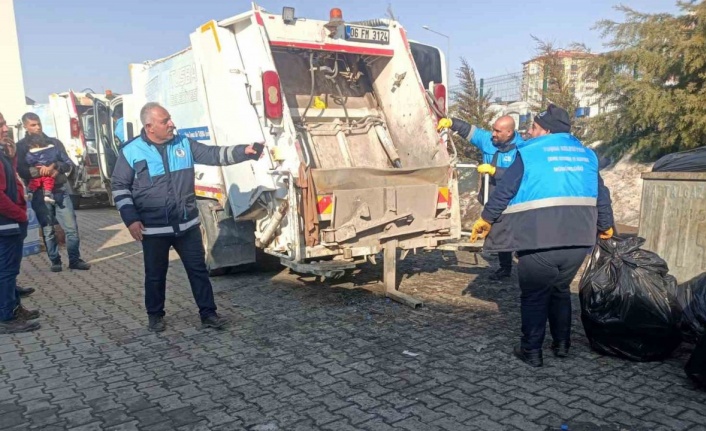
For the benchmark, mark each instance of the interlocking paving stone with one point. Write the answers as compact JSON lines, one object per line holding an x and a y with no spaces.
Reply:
{"x":304,"y":355}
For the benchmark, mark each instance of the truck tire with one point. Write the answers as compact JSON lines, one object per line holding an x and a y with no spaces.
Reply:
{"x":76,"y":201}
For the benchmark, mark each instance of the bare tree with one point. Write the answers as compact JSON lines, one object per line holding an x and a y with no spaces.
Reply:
{"x":390,"y":14}
{"x":559,"y":74}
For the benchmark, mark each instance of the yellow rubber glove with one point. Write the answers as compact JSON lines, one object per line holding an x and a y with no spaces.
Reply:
{"x":318,"y":103}
{"x":606,"y":234}
{"x":444,"y":123}
{"x":480,"y":230}
{"x":486,"y":168}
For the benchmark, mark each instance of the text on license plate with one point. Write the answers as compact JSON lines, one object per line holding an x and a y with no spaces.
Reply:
{"x":367,"y":34}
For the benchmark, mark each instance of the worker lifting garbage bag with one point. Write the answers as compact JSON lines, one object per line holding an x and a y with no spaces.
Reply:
{"x":628,"y":307}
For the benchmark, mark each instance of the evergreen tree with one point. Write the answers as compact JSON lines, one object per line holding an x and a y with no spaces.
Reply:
{"x":651,"y":82}
{"x":469,"y":105}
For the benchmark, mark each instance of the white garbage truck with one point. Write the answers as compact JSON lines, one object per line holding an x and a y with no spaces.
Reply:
{"x":85,"y":123}
{"x":353,"y":166}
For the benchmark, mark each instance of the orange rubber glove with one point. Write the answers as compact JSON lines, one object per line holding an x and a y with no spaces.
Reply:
{"x":606,"y":234}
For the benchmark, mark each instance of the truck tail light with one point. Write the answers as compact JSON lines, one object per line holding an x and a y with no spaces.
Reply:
{"x":273,"y":95}
{"x":75,"y":129}
{"x":440,"y":96}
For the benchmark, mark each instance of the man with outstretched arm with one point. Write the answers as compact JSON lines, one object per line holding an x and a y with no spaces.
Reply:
{"x":153,"y":188}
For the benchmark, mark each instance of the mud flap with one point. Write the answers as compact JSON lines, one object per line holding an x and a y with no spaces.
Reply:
{"x":227,"y":243}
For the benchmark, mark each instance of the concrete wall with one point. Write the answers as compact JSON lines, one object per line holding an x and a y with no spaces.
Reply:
{"x":12,"y":90}
{"x":673,"y":220}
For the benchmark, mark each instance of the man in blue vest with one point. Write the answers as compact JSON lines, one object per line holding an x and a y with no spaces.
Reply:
{"x":549,"y":208}
{"x":153,"y":188}
{"x":499,"y":147}
{"x":14,"y":317}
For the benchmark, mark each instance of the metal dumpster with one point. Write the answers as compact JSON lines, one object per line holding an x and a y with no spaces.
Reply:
{"x":673,"y":220}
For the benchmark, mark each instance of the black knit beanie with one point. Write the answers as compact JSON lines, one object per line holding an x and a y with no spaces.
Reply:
{"x":554,"y":119}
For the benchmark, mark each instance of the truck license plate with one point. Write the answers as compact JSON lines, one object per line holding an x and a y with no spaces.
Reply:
{"x":356,"y":33}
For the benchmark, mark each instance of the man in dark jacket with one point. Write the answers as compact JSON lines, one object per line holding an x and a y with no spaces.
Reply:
{"x":62,"y":210}
{"x":153,"y":188}
{"x":499,"y":147}
{"x":549,"y":208}
{"x":13,"y":230}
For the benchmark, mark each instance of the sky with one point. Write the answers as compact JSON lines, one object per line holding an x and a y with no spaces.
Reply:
{"x":79,"y":44}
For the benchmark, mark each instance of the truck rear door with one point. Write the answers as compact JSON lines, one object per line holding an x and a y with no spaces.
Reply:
{"x":233,"y":118}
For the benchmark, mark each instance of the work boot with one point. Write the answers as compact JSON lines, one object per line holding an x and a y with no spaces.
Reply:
{"x":22,"y":314}
{"x":156,"y":323}
{"x":80,"y":265}
{"x":15,"y":326}
{"x":561,"y":348}
{"x":213,"y":321}
{"x":533,"y":358}
{"x":56,"y":266}
{"x":24,"y":291}
{"x":501,"y":274}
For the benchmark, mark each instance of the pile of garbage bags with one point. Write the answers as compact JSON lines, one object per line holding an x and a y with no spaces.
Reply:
{"x":632,"y":308}
{"x":691,"y":297}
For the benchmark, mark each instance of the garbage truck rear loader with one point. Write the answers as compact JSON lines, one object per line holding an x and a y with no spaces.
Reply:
{"x":353,"y":164}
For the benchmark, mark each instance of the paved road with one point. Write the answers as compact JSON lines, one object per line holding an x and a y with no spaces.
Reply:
{"x":302,"y":355}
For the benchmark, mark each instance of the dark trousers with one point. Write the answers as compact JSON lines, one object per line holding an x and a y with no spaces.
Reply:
{"x":505,"y":258}
{"x":545,"y":277}
{"x":156,"y":255}
{"x":10,"y":261}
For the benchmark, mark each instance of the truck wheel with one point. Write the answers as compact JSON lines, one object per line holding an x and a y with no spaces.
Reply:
{"x":76,"y":201}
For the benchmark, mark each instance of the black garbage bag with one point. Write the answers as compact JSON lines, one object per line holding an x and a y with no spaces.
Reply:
{"x":627,"y":304}
{"x":696,"y":367}
{"x":683,"y":161}
{"x":691,"y":297}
